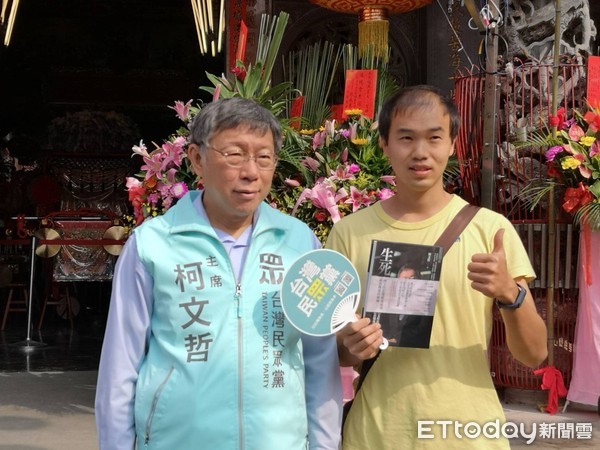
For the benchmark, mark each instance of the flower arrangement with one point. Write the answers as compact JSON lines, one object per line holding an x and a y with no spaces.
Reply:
{"x":165,"y":175}
{"x":343,"y":170}
{"x":322,"y":175}
{"x":572,"y":159}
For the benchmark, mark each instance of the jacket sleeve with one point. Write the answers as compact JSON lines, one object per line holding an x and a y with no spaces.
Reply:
{"x":323,"y":392}
{"x":125,"y":342}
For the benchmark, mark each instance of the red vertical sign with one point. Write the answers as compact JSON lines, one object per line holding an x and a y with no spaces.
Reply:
{"x":593,"y":81}
{"x":359,"y":92}
{"x":296,"y":112}
{"x":242,"y":39}
{"x":237,"y":14}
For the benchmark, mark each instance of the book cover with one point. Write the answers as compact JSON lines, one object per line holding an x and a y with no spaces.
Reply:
{"x":401,"y":291}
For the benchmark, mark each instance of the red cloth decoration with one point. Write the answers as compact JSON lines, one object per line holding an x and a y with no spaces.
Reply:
{"x":552,"y":381}
{"x":558,"y":120}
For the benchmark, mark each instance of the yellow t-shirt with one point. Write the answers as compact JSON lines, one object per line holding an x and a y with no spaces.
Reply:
{"x":450,"y":381}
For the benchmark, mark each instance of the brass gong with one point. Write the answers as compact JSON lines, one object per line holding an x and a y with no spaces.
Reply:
{"x":47,"y":250}
{"x":117,"y":233}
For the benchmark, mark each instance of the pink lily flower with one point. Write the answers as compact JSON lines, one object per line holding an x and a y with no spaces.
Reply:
{"x":291,"y":182}
{"x":389,"y":179}
{"x":344,"y":155}
{"x":330,"y":127}
{"x":584,"y":171}
{"x":323,"y":196}
{"x":140,"y":149}
{"x":342,"y":172}
{"x":153,"y":166}
{"x":319,"y":139}
{"x":358,"y":199}
{"x":311,"y":163}
{"x":182,"y":109}
{"x":353,"y":131}
{"x":131,"y":182}
{"x":216,"y":93}
{"x":171,"y":176}
{"x":173,"y":152}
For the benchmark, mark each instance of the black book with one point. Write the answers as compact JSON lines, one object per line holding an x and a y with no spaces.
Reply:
{"x":401,"y":291}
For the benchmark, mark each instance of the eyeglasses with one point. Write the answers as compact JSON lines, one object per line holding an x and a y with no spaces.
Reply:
{"x":235,"y":157}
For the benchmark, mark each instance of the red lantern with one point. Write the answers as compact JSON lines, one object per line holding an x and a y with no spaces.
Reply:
{"x":373,"y":25}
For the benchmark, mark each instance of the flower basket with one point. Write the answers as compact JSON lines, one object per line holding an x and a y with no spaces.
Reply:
{"x":572,"y":160}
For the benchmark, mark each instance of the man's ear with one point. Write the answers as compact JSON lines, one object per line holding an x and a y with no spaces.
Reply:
{"x":453,"y":152}
{"x":196,"y":158}
{"x":383,"y":144}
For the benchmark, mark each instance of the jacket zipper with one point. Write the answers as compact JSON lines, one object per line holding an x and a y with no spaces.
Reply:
{"x":238,"y":294}
{"x":153,"y":407}
{"x":238,"y":300}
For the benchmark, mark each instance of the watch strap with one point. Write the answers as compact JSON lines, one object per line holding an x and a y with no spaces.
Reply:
{"x":518,"y":301}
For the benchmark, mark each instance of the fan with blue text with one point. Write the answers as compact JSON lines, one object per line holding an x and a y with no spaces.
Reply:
{"x":320,"y":292}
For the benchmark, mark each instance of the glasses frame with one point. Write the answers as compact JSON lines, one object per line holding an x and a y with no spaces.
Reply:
{"x":247,"y":158}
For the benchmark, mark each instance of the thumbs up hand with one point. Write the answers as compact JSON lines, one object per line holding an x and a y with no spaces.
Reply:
{"x":489,"y":274}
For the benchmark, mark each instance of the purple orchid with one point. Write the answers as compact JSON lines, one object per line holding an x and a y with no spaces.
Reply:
{"x":552,"y":152}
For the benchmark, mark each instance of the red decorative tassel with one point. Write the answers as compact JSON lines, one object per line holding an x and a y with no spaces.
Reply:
{"x":552,"y":381}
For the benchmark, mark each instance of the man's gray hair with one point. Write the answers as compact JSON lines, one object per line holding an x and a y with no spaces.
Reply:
{"x":230,"y":113}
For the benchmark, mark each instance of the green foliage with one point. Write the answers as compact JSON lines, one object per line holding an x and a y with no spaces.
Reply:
{"x":312,"y":70}
{"x":254,"y":81}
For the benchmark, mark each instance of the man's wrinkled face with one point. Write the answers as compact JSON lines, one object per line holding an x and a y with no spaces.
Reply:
{"x":232,"y":194}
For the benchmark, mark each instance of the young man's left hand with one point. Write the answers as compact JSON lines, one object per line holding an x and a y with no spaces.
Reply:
{"x":488,"y":272}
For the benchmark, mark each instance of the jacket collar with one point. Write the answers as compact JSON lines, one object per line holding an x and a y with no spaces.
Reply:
{"x":185,"y":217}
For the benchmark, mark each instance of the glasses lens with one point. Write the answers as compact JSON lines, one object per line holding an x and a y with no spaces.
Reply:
{"x":235,"y":157}
{"x":265,"y":160}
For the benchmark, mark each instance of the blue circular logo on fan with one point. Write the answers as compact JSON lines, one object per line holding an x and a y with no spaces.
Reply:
{"x":320,"y":292}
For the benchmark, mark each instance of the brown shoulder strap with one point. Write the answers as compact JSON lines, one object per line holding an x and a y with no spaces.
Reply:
{"x":454,"y":228}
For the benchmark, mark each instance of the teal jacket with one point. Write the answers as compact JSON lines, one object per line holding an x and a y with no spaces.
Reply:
{"x":223,"y":368}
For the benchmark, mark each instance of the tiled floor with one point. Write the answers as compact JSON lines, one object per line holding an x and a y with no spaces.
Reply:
{"x":55,"y":347}
{"x":50,"y":388}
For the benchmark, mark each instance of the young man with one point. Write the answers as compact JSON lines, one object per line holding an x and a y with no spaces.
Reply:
{"x":450,"y":381}
{"x":197,"y":353}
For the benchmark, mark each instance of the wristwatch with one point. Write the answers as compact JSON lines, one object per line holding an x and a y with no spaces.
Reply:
{"x":518,"y":301}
